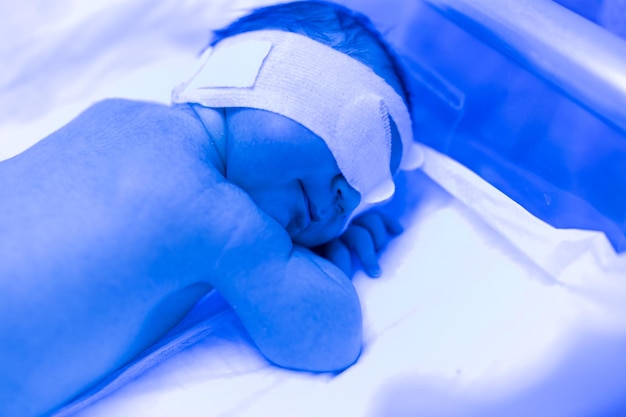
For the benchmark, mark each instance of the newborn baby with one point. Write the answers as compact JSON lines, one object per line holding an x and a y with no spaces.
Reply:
{"x":250,"y":183}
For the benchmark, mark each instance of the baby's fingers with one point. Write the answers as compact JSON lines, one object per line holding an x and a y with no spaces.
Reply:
{"x":381,"y":227}
{"x":393,"y":225}
{"x":339,"y":254}
{"x":361,"y":242}
{"x":375,"y":225}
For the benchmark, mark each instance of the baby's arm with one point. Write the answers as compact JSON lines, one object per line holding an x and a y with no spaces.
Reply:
{"x":301,"y":310}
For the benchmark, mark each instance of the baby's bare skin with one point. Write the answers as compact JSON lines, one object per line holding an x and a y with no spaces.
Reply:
{"x":115,"y":225}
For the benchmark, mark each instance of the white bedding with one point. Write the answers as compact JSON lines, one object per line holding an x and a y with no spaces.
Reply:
{"x":482,"y":309}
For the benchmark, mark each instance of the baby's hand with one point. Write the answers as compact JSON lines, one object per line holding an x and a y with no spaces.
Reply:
{"x":364,"y":237}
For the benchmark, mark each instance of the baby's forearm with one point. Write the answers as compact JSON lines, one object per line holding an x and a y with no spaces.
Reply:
{"x":305,"y":316}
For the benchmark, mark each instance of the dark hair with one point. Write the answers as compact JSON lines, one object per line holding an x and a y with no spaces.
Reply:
{"x":331,"y":24}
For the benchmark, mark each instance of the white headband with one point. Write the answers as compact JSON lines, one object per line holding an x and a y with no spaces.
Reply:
{"x":338,"y":98}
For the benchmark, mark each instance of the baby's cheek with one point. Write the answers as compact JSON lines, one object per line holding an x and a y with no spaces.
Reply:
{"x":277,"y":202}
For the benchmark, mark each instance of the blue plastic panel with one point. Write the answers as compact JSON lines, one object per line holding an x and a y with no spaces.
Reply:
{"x":543,"y":114}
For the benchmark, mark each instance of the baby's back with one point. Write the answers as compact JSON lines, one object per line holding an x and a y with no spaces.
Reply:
{"x":108,"y":235}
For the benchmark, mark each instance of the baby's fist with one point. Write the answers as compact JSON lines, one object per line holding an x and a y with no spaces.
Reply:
{"x":364,"y":237}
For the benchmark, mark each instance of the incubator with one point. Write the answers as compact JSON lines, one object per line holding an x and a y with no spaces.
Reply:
{"x":505,"y":295}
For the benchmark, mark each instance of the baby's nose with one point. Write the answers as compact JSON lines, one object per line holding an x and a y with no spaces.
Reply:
{"x":347,"y":197}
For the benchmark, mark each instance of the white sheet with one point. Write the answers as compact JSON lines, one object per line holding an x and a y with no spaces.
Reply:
{"x":482,"y":309}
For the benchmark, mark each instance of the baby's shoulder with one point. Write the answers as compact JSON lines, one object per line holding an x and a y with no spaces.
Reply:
{"x":155,"y":128}
{"x":144,"y":116}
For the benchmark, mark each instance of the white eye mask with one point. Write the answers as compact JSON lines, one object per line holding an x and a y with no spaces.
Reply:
{"x":336,"y":97}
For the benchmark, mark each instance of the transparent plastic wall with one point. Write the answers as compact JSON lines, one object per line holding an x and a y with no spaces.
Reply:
{"x":529,"y":95}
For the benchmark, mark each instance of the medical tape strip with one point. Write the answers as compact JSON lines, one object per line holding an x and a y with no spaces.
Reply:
{"x":336,"y":97}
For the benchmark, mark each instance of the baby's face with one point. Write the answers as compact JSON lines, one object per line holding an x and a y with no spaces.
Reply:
{"x":290,"y":174}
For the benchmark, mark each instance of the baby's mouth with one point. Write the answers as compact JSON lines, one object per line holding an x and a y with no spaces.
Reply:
{"x":307,"y":218}
{"x":302,"y":218}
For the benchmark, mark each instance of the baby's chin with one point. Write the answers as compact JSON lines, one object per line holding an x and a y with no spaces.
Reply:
{"x":316,"y":235}
{"x":307,"y":240}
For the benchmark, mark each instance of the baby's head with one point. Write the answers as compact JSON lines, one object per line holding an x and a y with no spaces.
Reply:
{"x":317,"y":113}
{"x":330,"y":24}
